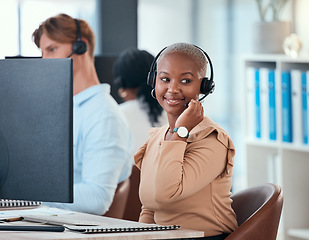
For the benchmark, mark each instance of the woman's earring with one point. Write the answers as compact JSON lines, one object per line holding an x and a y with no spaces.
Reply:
{"x":153,"y":93}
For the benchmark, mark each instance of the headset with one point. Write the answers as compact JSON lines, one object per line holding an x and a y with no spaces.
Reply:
{"x":207,"y":85}
{"x":79,"y":46}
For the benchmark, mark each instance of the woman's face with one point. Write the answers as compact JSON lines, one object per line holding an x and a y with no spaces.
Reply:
{"x":53,"y":49}
{"x":178,"y":81}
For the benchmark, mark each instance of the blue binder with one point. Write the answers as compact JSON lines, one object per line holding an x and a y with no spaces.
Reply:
{"x":257,"y":104}
{"x":304,"y":107}
{"x":272,"y":105}
{"x":287,"y":134}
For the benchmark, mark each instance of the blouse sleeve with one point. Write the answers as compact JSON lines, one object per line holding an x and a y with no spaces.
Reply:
{"x":139,"y":155}
{"x":186,"y":168}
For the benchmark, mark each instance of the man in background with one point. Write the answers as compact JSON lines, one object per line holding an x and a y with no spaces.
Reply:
{"x":103,"y":143}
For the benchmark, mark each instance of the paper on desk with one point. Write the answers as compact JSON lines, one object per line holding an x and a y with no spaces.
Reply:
{"x":35,"y":211}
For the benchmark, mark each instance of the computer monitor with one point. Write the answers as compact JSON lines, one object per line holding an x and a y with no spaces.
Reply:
{"x":36,"y":129}
{"x":104,"y":68}
{"x":20,"y":56}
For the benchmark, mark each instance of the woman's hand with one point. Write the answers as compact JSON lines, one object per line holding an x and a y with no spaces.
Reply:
{"x":192,"y":116}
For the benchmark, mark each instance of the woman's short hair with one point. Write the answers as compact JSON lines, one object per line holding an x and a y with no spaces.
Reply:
{"x":190,"y":50}
{"x":63,"y":29}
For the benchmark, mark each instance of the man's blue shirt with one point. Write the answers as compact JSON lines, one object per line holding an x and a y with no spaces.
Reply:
{"x":103,"y":150}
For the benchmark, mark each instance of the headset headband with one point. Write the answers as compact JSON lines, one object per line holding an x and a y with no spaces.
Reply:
{"x":78,"y":31}
{"x":154,"y":63}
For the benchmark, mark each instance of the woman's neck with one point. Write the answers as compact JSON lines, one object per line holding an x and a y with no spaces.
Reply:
{"x":129,"y":94}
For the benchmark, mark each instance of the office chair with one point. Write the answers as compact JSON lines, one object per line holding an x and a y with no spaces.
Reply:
{"x":117,"y":208}
{"x":258,"y":210}
{"x":133,"y":206}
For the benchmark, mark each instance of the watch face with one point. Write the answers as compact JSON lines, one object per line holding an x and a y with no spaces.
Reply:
{"x":182,"y":132}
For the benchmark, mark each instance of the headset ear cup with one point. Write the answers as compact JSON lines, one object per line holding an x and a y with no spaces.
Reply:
{"x":151,"y":78}
{"x":207,"y":86}
{"x":79,"y":47}
{"x":204,"y":85}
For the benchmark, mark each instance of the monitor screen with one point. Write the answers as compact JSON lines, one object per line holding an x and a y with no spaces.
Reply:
{"x":36,"y":129}
{"x":104,"y":68}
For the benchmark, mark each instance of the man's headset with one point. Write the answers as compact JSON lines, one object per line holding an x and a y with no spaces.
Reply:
{"x":207,"y":85}
{"x":79,"y":46}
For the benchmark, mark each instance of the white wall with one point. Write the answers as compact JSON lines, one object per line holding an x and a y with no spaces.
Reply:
{"x":301,"y":24}
{"x":212,"y":37}
{"x":9,"y":32}
{"x":163,"y":22}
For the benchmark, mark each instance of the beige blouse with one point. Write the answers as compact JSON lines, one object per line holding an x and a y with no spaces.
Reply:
{"x":188,"y":183}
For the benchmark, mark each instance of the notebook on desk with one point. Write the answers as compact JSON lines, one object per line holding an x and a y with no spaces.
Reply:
{"x":86,"y":226}
{"x":121,"y":228}
{"x":9,"y":203}
{"x":81,"y":222}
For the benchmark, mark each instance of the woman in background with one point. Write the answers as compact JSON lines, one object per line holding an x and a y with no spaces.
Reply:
{"x":130,"y":79}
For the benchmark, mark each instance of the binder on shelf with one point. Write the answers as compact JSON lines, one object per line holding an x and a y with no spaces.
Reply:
{"x":272,"y":105}
{"x":278,"y":99}
{"x":264,"y":103}
{"x":304,"y":90}
{"x":257,"y":104}
{"x":296,"y":85}
{"x":250,"y":82}
{"x":286,"y":106}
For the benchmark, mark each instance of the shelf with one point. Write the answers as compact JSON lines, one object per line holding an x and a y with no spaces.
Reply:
{"x":262,"y":143}
{"x":299,"y":233}
{"x":277,"y":161}
{"x":279,"y":145}
{"x":275,"y":58}
{"x":294,"y":147}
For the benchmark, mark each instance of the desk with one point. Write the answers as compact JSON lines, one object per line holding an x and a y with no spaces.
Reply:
{"x":67,"y":234}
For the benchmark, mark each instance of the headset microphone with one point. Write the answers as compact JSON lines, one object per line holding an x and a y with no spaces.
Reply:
{"x":187,"y":104}
{"x":70,"y":55}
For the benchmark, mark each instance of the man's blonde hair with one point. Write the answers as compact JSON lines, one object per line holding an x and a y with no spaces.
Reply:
{"x":62,"y":28}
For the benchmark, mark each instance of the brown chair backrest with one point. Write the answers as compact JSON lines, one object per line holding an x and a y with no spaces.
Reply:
{"x":117,"y":208}
{"x":133,"y":207}
{"x":258,"y":210}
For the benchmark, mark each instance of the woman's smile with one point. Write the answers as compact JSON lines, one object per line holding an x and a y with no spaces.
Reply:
{"x":173,"y":101}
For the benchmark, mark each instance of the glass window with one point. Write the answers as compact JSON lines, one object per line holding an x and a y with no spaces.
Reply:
{"x":21,"y":18}
{"x":9,"y":27}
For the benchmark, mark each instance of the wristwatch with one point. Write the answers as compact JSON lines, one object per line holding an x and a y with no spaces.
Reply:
{"x":182,"y":132}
